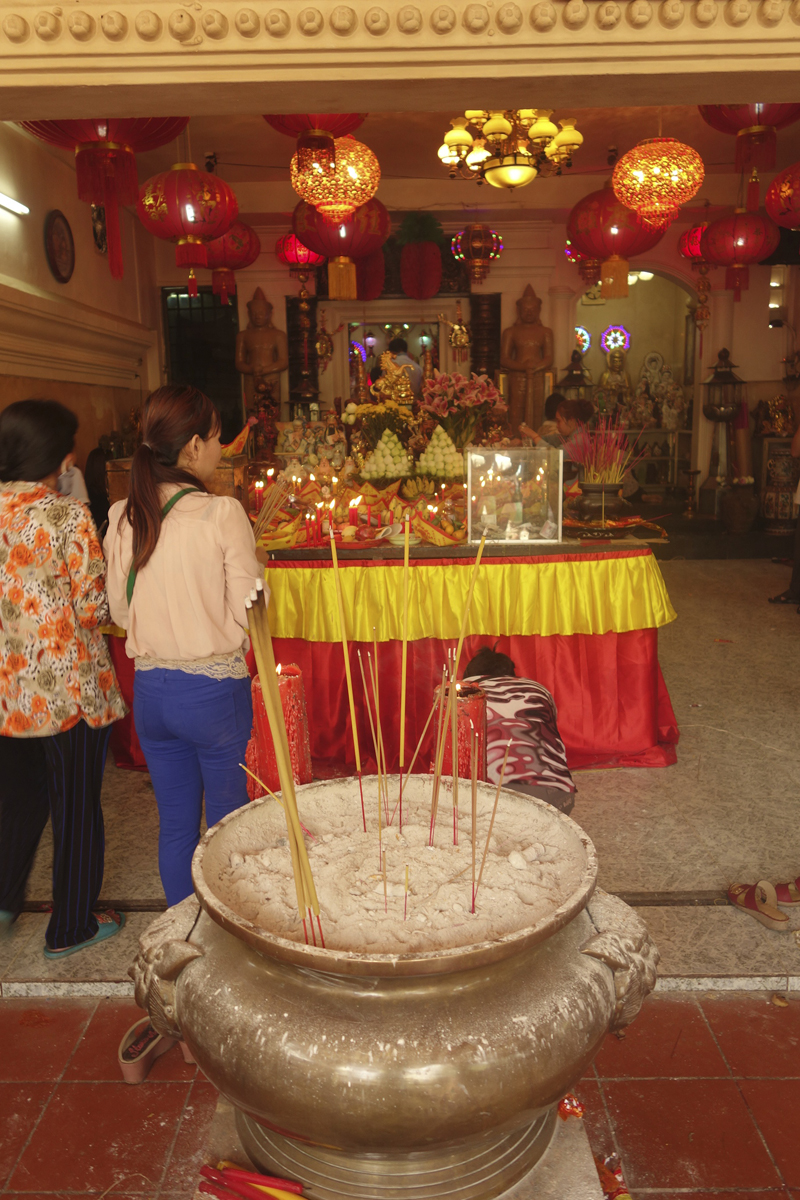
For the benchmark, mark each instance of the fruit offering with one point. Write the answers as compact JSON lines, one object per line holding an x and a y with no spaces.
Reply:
{"x":389,"y":459}
{"x":440,"y":457}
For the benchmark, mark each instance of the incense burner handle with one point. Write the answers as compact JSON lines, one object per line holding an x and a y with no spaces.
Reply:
{"x":623,"y":943}
{"x":164,"y":951}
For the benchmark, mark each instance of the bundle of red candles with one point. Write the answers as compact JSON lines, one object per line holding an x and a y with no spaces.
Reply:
{"x":227,"y":1182}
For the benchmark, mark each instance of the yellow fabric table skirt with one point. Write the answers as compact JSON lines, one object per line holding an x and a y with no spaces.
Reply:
{"x":559,"y":594}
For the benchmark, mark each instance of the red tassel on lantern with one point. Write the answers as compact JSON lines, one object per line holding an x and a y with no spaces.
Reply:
{"x":753,"y":192}
{"x":755,"y":126}
{"x":192,"y":287}
{"x":105,"y":163}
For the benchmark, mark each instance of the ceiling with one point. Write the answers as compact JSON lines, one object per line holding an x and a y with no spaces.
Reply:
{"x":249,"y":150}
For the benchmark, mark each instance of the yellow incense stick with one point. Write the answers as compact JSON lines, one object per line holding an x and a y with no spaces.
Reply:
{"x":337,"y":583}
{"x":474,"y":778}
{"x":263,"y":647}
{"x":437,"y":771}
{"x":491,"y":823}
{"x":404,"y":658}
{"x":374,"y":742}
{"x":297,"y":871}
{"x":373,"y":670}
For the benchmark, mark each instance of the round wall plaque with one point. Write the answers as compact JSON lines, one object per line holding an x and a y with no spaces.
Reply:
{"x":59,"y":247}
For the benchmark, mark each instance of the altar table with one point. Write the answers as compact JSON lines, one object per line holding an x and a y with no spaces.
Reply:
{"x":584,"y":624}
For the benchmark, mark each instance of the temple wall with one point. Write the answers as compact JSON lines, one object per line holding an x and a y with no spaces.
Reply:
{"x":91,"y":342}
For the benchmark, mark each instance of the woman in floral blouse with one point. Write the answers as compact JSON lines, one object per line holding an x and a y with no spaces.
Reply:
{"x":58,"y":692}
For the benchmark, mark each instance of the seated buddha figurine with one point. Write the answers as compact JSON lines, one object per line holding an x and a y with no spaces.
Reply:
{"x":614,"y":390}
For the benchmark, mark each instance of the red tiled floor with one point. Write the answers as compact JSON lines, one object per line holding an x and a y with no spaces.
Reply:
{"x":668,"y":1038}
{"x":687,"y":1133}
{"x":20,"y":1105}
{"x":773,"y":1103}
{"x":93,"y":1135}
{"x":96,"y":1054}
{"x":37,"y":1039}
{"x":771,"y":1194}
{"x":595,"y":1120}
{"x":756,"y":1038}
{"x":188,"y":1155}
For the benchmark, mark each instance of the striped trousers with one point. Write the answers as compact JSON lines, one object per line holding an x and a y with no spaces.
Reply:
{"x":60,"y":777}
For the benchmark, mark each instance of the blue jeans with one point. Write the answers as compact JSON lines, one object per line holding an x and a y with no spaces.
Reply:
{"x":194,"y":733}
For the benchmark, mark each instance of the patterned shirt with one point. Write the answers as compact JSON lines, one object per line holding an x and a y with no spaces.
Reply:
{"x":524,"y":713}
{"x":55,"y":667}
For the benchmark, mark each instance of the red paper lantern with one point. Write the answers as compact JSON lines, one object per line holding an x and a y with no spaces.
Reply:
{"x":316,"y":134}
{"x":190,"y":208}
{"x":782,"y":201}
{"x":105,"y":164}
{"x":755,"y":127}
{"x":298,"y":258}
{"x":370,"y":275}
{"x":602,"y":228}
{"x":235,"y":250}
{"x":736,"y":241}
{"x":357,"y":237}
{"x":420,"y":270}
{"x":689,"y":243}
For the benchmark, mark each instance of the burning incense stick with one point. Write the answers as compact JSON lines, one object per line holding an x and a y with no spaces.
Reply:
{"x":373,"y":670}
{"x":375,"y":744}
{"x":269,"y":792}
{"x":454,"y":754}
{"x":278,"y":495}
{"x":385,"y":892}
{"x":491,"y":823}
{"x":405,"y":902}
{"x":337,"y":583}
{"x":404,"y":662}
{"x":415,"y":755}
{"x":439,"y":756}
{"x":474,"y":776}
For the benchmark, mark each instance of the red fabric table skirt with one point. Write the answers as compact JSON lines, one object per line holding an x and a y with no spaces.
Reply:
{"x":613,"y":705}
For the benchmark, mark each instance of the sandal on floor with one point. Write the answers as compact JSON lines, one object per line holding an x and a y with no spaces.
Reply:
{"x":108,"y":923}
{"x":784,"y":598}
{"x":788,"y":893}
{"x":139,"y":1049}
{"x":760,"y":901}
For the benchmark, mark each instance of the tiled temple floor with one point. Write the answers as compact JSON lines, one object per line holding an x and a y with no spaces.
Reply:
{"x":728,"y":810}
{"x":698,"y":1100}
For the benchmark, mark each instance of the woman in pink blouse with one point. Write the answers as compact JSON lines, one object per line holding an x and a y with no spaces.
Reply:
{"x":181,"y":564}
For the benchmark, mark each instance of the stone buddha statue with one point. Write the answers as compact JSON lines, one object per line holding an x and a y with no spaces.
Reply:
{"x":526,"y":352}
{"x":261,"y":352}
{"x":614,"y":390}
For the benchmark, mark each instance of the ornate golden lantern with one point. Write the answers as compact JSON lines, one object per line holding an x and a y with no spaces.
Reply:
{"x":656,"y":177}
{"x":338,"y":191}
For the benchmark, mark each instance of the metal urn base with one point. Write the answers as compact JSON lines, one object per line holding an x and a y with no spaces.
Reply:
{"x":477,"y":1170}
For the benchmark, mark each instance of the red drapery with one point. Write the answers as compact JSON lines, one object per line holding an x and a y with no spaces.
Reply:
{"x":613,"y":705}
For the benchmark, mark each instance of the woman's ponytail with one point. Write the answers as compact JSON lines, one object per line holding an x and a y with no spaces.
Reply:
{"x":172,"y":416}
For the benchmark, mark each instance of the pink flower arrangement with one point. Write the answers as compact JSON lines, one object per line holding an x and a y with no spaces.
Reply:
{"x":461,"y":404}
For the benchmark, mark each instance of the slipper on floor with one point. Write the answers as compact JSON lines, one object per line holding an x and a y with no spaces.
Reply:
{"x":760,"y":901}
{"x":139,"y":1049}
{"x":108,"y":923}
{"x":784,"y":598}
{"x":788,"y":893}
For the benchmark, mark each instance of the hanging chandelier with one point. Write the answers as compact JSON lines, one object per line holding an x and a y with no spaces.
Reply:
{"x":656,"y":177}
{"x":477,"y":245}
{"x":337,"y":190}
{"x":511,"y":148}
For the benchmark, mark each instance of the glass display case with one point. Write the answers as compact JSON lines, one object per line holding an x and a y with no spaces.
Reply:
{"x":514,"y":494}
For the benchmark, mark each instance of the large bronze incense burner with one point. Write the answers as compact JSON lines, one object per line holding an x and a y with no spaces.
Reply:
{"x":395,"y":1076}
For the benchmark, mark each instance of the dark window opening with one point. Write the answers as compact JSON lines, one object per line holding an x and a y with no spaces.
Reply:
{"x":200,"y":335}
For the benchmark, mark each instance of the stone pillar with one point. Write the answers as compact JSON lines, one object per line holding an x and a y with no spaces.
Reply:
{"x":562,"y":322}
{"x":718,"y":334}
